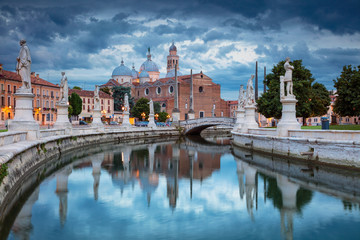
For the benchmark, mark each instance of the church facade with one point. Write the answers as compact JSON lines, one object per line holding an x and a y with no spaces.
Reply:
{"x":146,"y":83}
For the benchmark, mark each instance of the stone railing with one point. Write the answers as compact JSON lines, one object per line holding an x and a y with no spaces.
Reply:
{"x":326,"y":134}
{"x":263,"y":131}
{"x":51,"y":132}
{"x":12,"y":137}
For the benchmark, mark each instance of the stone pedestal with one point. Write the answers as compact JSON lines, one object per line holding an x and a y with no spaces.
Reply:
{"x":97,"y":120}
{"x":249,"y":121}
{"x":152,"y":123}
{"x":288,"y":119}
{"x":176,"y":116}
{"x":126,"y":120}
{"x":62,"y":120}
{"x":24,"y":119}
{"x":240,"y":118}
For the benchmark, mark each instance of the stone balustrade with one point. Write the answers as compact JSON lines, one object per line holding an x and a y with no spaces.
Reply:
{"x":263,"y":131}
{"x":12,"y":137}
{"x":51,"y":132}
{"x":326,"y":134}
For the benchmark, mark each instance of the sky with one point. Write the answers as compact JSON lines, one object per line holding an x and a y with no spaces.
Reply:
{"x":88,"y":38}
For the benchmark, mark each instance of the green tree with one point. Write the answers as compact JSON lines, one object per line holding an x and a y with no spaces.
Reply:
{"x":106,"y":90}
{"x":269,"y":103}
{"x":141,"y":106}
{"x":70,"y":111}
{"x":162,"y":116}
{"x":76,"y":104}
{"x":78,"y":88}
{"x":347,"y":86}
{"x":157,"y":107}
{"x":119,"y":97}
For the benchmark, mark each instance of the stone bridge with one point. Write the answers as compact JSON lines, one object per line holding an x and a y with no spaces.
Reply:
{"x":195,"y":126}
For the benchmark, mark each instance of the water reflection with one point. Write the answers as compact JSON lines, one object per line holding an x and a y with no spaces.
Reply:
{"x":176,"y":169}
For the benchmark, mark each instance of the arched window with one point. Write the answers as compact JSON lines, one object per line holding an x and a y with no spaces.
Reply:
{"x":146,"y":91}
{"x":201,"y":89}
{"x":171,"y":89}
{"x":158,"y":90}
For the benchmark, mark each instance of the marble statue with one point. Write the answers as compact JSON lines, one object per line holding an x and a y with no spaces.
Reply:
{"x":282,"y":89}
{"x":151,"y":106}
{"x":23,"y":67}
{"x":250,"y":96}
{"x":96,"y":98}
{"x":126,"y":103}
{"x":288,"y":77}
{"x":241,"y":99}
{"x":64,"y":89}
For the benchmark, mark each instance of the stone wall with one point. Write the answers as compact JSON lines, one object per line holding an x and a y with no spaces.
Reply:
{"x":39,"y":158}
{"x":330,"y":151}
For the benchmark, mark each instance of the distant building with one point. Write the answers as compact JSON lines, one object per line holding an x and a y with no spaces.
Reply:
{"x":146,"y":83}
{"x":87,"y":97}
{"x":46,"y":96}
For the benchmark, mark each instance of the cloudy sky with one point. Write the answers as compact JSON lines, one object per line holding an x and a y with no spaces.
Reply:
{"x":88,"y":38}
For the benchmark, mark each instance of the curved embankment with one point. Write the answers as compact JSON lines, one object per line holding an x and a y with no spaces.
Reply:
{"x":41,"y":157}
{"x":327,"y":147}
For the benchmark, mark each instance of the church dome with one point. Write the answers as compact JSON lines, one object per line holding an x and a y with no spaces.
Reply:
{"x":144,"y":74}
{"x":172,"y":73}
{"x":122,"y":70}
{"x":149,"y":65}
{"x":173,"y":47}
{"x":134,"y":73}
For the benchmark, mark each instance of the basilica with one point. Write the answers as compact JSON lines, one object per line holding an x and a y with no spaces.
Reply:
{"x":146,"y":83}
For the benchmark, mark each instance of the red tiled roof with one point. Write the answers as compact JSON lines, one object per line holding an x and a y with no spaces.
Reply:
{"x":110,"y":83}
{"x":34,"y":80}
{"x":86,"y":93}
{"x":232,"y":102}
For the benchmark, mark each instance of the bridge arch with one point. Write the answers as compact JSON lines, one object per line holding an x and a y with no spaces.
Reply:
{"x":195,"y":126}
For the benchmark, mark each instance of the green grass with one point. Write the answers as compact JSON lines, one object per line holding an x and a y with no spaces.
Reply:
{"x":334,"y":127}
{"x":3,"y":130}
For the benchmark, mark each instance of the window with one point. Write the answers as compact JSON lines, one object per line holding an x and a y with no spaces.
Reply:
{"x":102,"y":101}
{"x":185,"y":105}
{"x":109,"y":102}
{"x":52,"y":104}
{"x":52,"y":94}
{"x":108,"y":108}
{"x":93,"y":101}
{"x":2,"y":87}
{"x":102,"y":108}
{"x":146,"y":91}
{"x":201,"y":114}
{"x":171,"y":89}
{"x":9,"y":101}
{"x":37,"y":91}
{"x":163,"y":105}
{"x":201,"y":89}
{"x":158,"y":90}
{"x":57,"y":94}
{"x":83,"y":100}
{"x":138,"y":93}
{"x":2,"y":101}
{"x":14,"y":102}
{"x":47,"y":92}
{"x":88,"y":100}
{"x":43,"y":92}
{"x":32,"y":90}
{"x":83,"y":107}
{"x":47,"y":104}
{"x":38,"y":103}
{"x":9,"y":88}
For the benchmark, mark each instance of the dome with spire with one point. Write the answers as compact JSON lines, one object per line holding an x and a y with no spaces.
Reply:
{"x":149,"y":65}
{"x":171,"y":73}
{"x":122,"y":70}
{"x":172,"y":47}
{"x":134,"y":73}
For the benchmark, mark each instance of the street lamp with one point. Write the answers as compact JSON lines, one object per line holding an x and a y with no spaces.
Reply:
{"x":156,"y":116}
{"x":143,"y":116}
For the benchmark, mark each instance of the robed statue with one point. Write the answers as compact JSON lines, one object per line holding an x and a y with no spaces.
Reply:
{"x":64,"y":89}
{"x":126,"y":103}
{"x":241,"y":98}
{"x":151,"y":106}
{"x":23,"y":67}
{"x":288,"y":77}
{"x":250,"y":96}
{"x":96,"y":98}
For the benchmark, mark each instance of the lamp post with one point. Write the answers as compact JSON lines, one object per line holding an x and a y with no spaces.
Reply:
{"x":156,"y":116}
{"x":143,"y":116}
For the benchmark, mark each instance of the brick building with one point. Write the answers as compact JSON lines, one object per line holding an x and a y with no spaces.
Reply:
{"x":145,"y":83}
{"x":87,"y":97}
{"x":46,"y":96}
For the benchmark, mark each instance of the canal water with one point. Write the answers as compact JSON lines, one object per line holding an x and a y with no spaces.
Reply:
{"x":189,"y":189}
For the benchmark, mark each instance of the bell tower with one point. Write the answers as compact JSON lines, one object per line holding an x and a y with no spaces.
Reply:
{"x":172,"y":58}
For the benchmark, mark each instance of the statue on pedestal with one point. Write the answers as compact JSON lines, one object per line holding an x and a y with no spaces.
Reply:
{"x":96,"y":98}
{"x":151,"y":107}
{"x":250,"y":96}
{"x":23,"y":67}
{"x":288,"y":77}
{"x":126,"y":103}
{"x":242,"y":98}
{"x":64,"y":89}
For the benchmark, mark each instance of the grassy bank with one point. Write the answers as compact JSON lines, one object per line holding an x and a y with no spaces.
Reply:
{"x":3,"y":130}
{"x":334,"y":127}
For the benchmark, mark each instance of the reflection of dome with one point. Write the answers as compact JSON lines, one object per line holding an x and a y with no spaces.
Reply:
{"x":171,"y":73}
{"x":134,"y":73}
{"x":149,"y":182}
{"x":144,"y":74}
{"x":149,"y":65}
{"x":172,"y":47}
{"x":122,"y":70}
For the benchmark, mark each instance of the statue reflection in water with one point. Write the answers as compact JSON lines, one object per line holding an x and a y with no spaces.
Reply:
{"x":62,"y":191}
{"x":292,"y":200}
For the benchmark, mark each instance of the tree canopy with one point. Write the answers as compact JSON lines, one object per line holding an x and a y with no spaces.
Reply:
{"x":140,"y":107}
{"x":76,"y":104}
{"x":105,"y":90}
{"x":347,"y":86}
{"x":78,"y":88}
{"x":313,"y":99}
{"x":119,"y":97}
